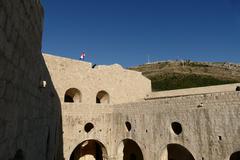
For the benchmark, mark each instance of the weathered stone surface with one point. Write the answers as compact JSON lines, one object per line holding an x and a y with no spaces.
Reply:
{"x":29,"y":118}
{"x":130,"y":122}
{"x":209,"y":132}
{"x":208,"y":116}
{"x":122,"y":85}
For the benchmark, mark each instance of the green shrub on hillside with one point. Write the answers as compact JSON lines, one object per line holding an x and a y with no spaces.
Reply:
{"x":180,"y":81}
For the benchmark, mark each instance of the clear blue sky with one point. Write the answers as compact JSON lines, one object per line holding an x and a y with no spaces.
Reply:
{"x":126,"y":31}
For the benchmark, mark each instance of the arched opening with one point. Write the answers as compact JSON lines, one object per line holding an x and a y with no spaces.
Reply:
{"x":102,"y":97}
{"x":176,"y":152}
{"x":129,"y":150}
{"x":235,"y":156}
{"x":89,"y":150}
{"x":72,"y":95}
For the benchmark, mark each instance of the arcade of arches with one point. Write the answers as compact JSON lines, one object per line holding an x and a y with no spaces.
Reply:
{"x":130,"y":150}
{"x":74,"y":95}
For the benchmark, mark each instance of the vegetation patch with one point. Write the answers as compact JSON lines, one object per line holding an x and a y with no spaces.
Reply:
{"x":180,"y":81}
{"x":172,"y":75}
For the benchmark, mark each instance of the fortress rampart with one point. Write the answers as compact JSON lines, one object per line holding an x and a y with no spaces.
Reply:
{"x":198,"y":123}
{"x":209,"y":131}
{"x":193,"y":91}
{"x":120,"y":84}
{"x":68,"y":109}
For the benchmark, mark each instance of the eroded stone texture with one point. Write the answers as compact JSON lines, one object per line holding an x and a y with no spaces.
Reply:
{"x":210,"y":132}
{"x":29,"y":115}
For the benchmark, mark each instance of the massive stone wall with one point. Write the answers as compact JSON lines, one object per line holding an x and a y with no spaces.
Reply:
{"x":207,"y":128}
{"x":158,"y":126}
{"x":197,"y":123}
{"x":30,"y":126}
{"x":122,"y":85}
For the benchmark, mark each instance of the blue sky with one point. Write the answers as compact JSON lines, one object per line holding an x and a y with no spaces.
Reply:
{"x":127,"y":31}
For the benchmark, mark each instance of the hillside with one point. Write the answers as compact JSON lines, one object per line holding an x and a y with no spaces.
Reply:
{"x":170,"y":75}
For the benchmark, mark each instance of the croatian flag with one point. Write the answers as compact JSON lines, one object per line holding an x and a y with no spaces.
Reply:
{"x":82,"y":56}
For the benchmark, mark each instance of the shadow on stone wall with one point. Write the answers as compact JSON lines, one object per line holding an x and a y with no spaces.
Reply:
{"x":30,"y":110}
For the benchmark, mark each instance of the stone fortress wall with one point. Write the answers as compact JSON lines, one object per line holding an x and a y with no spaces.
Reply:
{"x":120,"y":84}
{"x":103,"y":113}
{"x":208,"y":132}
{"x":30,"y":126}
{"x":197,"y":123}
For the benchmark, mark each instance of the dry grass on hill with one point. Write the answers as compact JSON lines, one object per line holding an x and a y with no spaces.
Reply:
{"x":186,"y":74}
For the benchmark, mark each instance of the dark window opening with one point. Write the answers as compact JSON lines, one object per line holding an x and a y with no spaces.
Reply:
{"x":102,"y":97}
{"x":98,"y":100}
{"x":177,"y":128}
{"x":88,"y":127}
{"x":68,"y":98}
{"x":72,"y":95}
{"x":238,"y":88}
{"x":220,"y":138}
{"x":128,"y":126}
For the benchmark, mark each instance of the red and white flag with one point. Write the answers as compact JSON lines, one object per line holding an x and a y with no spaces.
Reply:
{"x":82,"y":56}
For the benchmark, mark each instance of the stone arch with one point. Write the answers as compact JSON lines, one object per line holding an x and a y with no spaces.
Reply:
{"x":235,"y":156}
{"x":72,"y":95}
{"x":176,"y":151}
{"x":103,"y":97}
{"x":89,"y":150}
{"x":129,"y":150}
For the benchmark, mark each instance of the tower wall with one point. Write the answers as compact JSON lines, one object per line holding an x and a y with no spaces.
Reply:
{"x":30,"y":126}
